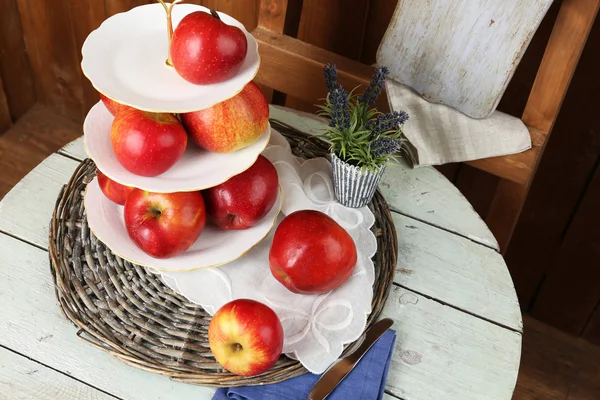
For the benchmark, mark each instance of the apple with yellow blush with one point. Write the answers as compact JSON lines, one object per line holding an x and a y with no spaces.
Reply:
{"x":246,"y":337}
{"x":232,"y":124}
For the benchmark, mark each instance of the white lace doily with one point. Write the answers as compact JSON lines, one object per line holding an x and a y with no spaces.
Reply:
{"x":316,"y":327}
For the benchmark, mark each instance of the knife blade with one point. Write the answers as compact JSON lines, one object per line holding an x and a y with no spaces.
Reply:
{"x":338,"y":371}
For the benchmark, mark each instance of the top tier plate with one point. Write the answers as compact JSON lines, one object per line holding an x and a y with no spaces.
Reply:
{"x":125,"y":59}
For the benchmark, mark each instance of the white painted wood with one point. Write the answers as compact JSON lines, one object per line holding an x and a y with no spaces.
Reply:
{"x":21,"y":378}
{"x":445,"y":354}
{"x":456,"y":271}
{"x":461,"y":53}
{"x":75,"y":150}
{"x":26,"y":210}
{"x":33,"y":325}
{"x":441,"y":353}
{"x":426,"y":195}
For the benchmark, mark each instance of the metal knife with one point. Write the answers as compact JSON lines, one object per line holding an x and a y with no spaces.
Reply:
{"x":338,"y":371}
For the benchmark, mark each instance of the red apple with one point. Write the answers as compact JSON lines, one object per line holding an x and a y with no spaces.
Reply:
{"x":232,"y":124}
{"x":147,"y":143}
{"x":113,"y":106}
{"x":113,"y":190}
{"x":245,"y":199}
{"x":245,"y":337}
{"x":206,"y":50}
{"x":164,"y":224}
{"x":311,"y":253}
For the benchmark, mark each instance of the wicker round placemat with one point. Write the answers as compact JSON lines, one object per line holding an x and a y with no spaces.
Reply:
{"x":121,"y":308}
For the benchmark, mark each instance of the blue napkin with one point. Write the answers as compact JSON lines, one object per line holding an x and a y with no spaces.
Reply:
{"x":365,"y":382}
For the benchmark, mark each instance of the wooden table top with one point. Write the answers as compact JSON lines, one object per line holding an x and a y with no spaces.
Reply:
{"x":454,"y":305}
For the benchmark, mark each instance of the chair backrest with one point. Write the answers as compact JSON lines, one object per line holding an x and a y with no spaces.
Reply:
{"x":461,"y":53}
{"x":293,"y":67}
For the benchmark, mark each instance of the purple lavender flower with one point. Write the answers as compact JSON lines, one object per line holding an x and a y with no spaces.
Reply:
{"x":340,"y":112}
{"x":375,"y":87}
{"x":385,"y":146}
{"x":386,"y":122}
{"x":331,"y":75}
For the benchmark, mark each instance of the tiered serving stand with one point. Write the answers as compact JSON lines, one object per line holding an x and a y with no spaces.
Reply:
{"x":101,"y":280}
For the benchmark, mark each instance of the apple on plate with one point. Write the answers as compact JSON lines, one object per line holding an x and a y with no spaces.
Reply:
{"x":246,"y":337}
{"x":311,"y":253}
{"x":206,"y":50}
{"x":242,"y":201}
{"x":146,"y":143}
{"x":113,"y":190}
{"x":164,"y":224}
{"x":232,"y":124}
{"x":113,"y":106}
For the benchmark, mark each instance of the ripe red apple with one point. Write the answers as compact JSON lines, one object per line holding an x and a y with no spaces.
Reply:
{"x":311,"y":253}
{"x":164,"y":224}
{"x":245,"y":337}
{"x":113,"y":190}
{"x":147,"y":143}
{"x":245,"y":199}
{"x":206,"y":50}
{"x":232,"y":124}
{"x":113,"y":106}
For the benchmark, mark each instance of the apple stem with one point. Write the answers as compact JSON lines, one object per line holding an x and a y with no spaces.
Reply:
{"x":169,"y":11}
{"x":214,"y":14}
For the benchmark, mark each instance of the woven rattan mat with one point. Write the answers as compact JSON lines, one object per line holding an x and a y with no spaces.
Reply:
{"x":121,"y":308}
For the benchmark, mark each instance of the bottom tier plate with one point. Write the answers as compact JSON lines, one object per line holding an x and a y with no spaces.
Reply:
{"x":215,"y":246}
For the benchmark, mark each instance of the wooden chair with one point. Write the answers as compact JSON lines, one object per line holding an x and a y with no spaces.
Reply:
{"x":293,"y":67}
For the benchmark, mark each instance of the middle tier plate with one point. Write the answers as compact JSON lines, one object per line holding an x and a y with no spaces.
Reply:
{"x":213,"y":248}
{"x":198,"y":169}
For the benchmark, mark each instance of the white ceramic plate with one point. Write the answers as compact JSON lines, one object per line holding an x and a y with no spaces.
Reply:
{"x":125,"y":59}
{"x":213,"y":248}
{"x":198,"y":169}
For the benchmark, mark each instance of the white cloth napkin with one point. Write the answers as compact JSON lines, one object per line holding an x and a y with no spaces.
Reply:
{"x":316,"y":327}
{"x":439,"y":134}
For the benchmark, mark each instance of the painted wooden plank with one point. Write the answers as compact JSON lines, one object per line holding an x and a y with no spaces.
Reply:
{"x":74,"y":150}
{"x":456,"y":271}
{"x":32,"y":325}
{"x":440,"y":352}
{"x":26,"y":210}
{"x":21,"y":378}
{"x":458,"y":52}
{"x":426,"y":195}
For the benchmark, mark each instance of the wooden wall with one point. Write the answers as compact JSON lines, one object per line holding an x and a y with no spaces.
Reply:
{"x":555,"y":253}
{"x":17,"y":93}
